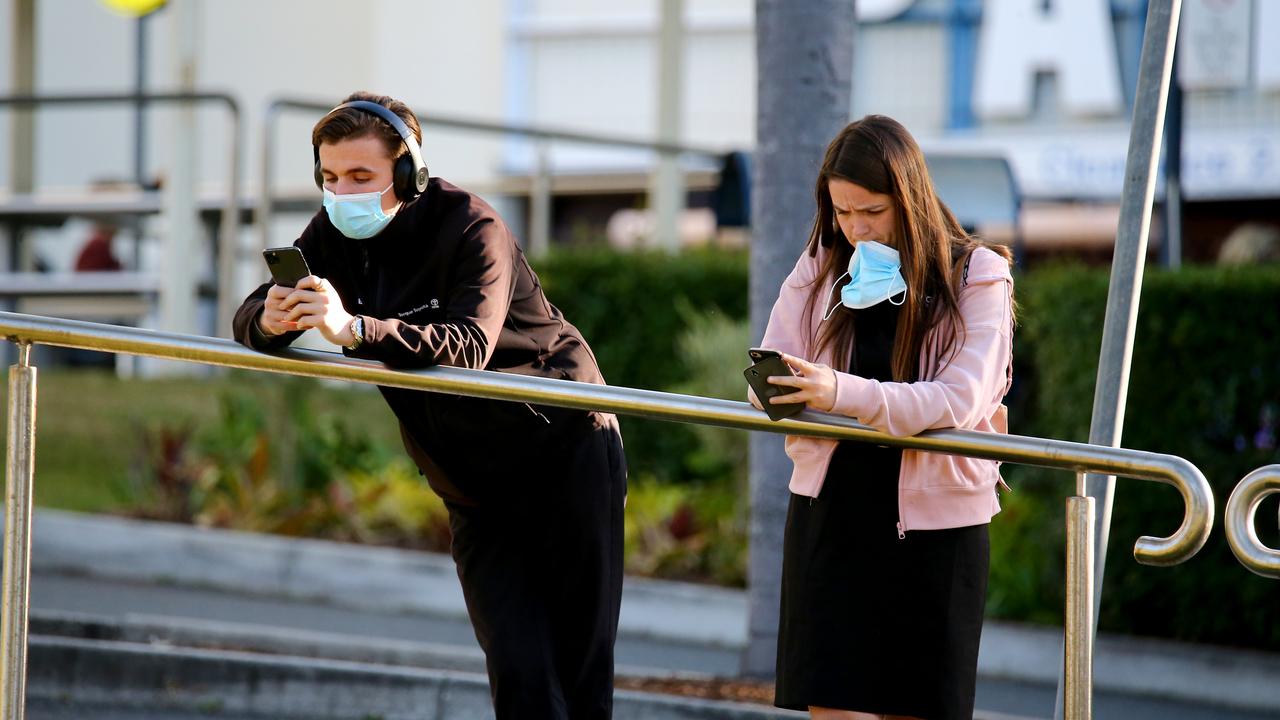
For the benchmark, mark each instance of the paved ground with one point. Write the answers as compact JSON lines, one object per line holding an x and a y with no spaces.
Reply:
{"x":1021,"y":699}
{"x":117,"y":598}
{"x":113,"y":598}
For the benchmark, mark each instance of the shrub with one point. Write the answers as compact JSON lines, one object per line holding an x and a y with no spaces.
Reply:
{"x":699,"y":531}
{"x":628,"y":307}
{"x":1204,"y":385}
{"x":289,"y":470}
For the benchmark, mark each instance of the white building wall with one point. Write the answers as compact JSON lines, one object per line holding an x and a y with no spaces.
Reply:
{"x":593,"y":66}
{"x":317,"y":49}
{"x":579,"y":64}
{"x":900,"y":70}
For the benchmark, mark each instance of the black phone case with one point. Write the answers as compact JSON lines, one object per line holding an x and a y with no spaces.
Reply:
{"x":289,"y":265}
{"x":757,"y":377}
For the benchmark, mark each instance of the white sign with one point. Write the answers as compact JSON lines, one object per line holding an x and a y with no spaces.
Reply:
{"x":1214,"y":40}
{"x":1074,"y":40}
{"x":1090,"y":165}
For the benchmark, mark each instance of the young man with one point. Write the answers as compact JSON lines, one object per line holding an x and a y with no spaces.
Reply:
{"x":414,"y":272}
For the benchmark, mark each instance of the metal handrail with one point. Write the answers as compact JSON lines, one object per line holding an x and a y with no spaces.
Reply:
{"x":427,"y":118}
{"x":1060,"y":454}
{"x":229,"y":234}
{"x":1238,"y":521}
{"x":25,"y":330}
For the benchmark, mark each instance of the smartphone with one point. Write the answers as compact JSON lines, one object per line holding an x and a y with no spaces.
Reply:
{"x":286,"y":264}
{"x":766,"y":364}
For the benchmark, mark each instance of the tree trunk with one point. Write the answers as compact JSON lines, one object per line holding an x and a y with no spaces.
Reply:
{"x":804,"y":63}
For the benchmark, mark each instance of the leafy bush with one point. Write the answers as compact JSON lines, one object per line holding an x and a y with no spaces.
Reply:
{"x":699,"y":531}
{"x":1204,"y":385}
{"x":628,"y":307}
{"x":291,"y":470}
{"x":684,"y":532}
{"x":712,"y":347}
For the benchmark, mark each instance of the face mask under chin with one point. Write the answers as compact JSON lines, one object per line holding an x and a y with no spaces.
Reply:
{"x":875,"y":275}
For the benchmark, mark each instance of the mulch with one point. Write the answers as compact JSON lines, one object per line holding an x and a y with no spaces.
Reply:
{"x":732,"y":689}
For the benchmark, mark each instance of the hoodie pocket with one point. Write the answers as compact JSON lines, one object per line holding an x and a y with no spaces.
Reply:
{"x":799,"y":447}
{"x":1000,"y":420}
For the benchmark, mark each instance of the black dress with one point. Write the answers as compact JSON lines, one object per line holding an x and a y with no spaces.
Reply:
{"x":871,"y":622}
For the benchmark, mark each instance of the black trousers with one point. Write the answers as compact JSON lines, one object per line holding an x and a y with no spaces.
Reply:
{"x":541,"y":572}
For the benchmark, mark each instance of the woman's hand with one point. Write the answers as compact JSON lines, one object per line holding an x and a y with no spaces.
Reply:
{"x":315,"y":304}
{"x":815,"y":384}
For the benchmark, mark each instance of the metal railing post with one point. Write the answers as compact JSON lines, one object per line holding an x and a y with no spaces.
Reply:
{"x":540,"y":201}
{"x":228,"y":239}
{"x":229,"y":231}
{"x":1242,"y":507}
{"x":19,"y":476}
{"x":1078,"y":624}
{"x":266,"y":195}
{"x":1116,"y":355}
{"x":666,"y":184}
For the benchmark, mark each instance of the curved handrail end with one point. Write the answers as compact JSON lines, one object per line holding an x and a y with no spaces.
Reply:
{"x":1197,"y":523}
{"x":1238,"y":520}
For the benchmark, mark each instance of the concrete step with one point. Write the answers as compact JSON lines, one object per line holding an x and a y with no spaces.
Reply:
{"x":69,"y":675}
{"x":669,"y":626}
{"x":193,"y":633}
{"x":127,"y":644}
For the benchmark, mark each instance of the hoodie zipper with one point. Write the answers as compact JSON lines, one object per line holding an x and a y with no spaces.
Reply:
{"x":902,"y":525}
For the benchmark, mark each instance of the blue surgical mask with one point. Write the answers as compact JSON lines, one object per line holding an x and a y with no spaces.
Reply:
{"x":358,"y":215}
{"x":875,"y":275}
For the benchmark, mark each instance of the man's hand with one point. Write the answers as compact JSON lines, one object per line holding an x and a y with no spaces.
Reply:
{"x":315,"y":304}
{"x":272,"y":320}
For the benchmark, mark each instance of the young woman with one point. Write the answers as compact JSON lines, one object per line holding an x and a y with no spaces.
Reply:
{"x":895,"y":316}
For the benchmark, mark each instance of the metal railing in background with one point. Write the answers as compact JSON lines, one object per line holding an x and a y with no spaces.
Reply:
{"x":1238,"y":521}
{"x":229,"y":227}
{"x":1197,"y":521}
{"x":540,"y":189}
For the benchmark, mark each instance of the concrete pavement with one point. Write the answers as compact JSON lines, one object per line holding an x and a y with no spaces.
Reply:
{"x":370,"y":599}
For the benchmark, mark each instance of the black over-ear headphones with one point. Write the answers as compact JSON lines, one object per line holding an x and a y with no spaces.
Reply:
{"x":409,"y":176}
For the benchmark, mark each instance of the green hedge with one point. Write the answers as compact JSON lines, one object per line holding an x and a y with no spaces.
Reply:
{"x":632,"y":308}
{"x":1204,"y":385}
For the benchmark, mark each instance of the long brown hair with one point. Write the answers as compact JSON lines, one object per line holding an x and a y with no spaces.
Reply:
{"x":879,"y":154}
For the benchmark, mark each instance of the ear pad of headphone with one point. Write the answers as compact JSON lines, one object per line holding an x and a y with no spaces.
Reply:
{"x":402,"y":177}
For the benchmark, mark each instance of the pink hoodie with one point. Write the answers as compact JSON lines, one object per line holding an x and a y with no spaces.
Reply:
{"x":934,"y":490}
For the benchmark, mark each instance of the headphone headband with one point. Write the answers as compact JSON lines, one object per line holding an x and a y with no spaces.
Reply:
{"x":407,"y":184}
